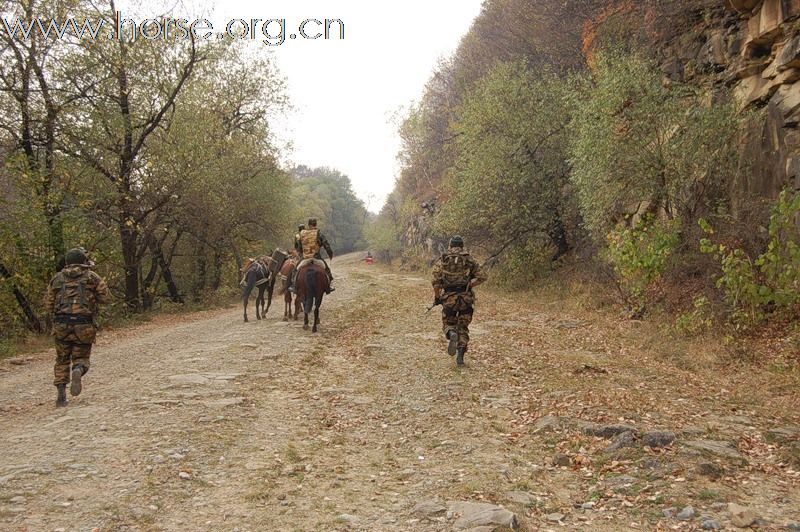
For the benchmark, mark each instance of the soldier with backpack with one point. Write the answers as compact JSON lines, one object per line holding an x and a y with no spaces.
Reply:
{"x":72,"y":299}
{"x":455,"y":274}
{"x":309,"y":244}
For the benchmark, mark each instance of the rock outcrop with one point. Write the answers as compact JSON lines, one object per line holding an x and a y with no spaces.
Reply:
{"x":753,"y":48}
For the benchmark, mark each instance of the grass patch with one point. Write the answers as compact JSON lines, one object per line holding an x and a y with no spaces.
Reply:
{"x":292,"y":454}
{"x":708,"y":495}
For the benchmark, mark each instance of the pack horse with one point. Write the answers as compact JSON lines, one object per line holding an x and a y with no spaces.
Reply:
{"x":256,"y":273}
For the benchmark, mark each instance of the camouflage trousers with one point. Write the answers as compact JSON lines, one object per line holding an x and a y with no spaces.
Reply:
{"x":457,"y":312}
{"x":73,"y":348}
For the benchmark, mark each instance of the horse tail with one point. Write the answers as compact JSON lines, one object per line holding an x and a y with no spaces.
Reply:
{"x":250,"y":282}
{"x":311,"y":288}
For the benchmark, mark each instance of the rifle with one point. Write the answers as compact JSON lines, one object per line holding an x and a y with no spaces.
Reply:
{"x":436,"y":303}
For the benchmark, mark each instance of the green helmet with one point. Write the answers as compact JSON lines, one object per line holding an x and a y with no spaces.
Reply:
{"x":456,"y":242}
{"x":75,"y":256}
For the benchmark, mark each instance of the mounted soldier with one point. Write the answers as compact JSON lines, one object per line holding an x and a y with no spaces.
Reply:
{"x":309,"y":245}
{"x":454,"y":275}
{"x":72,"y":299}
{"x":300,"y":229}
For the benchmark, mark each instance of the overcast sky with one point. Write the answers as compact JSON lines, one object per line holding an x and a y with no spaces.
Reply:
{"x":346,"y":92}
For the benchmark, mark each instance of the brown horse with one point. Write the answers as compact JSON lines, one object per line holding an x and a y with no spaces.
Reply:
{"x":285,"y":279}
{"x":312,"y":284}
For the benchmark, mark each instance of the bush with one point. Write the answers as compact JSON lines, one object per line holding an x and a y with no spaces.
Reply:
{"x":770,"y":283}
{"x":696,"y":321}
{"x":639,"y":256}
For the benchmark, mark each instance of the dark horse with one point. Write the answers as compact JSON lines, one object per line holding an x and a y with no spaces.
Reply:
{"x":312,"y":283}
{"x":285,"y":279}
{"x":256,"y":274}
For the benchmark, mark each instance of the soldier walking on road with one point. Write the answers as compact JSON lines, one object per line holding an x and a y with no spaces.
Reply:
{"x":72,"y":300}
{"x":455,"y":274}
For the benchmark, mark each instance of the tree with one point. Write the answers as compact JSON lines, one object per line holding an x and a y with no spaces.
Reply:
{"x":510,"y":183}
{"x":134,"y":90}
{"x":327,"y":194}
{"x":640,"y":146}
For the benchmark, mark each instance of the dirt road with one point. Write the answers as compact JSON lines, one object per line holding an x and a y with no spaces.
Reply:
{"x":566,"y":421}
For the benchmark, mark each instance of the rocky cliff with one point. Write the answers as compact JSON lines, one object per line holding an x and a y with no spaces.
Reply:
{"x":752,"y":47}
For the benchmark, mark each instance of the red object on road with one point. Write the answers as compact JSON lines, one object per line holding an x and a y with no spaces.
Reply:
{"x":369,"y":260}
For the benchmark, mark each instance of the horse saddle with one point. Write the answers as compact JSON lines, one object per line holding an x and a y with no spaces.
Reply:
{"x":306,"y":263}
{"x":263,"y":272}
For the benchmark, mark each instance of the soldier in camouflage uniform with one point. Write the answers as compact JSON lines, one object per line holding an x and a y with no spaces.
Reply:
{"x":309,"y":245}
{"x":455,"y":274}
{"x":72,"y":299}
{"x":300,"y":229}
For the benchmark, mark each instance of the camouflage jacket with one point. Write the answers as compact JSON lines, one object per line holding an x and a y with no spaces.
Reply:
{"x":455,"y":270}
{"x":311,"y":243}
{"x":91,"y":291}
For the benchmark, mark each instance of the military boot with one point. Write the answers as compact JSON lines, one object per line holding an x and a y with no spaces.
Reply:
{"x":453,"y":345}
{"x":61,"y":400}
{"x":460,"y":357}
{"x":75,"y":386}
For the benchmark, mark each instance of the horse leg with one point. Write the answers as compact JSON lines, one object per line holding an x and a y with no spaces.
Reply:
{"x":245,"y":299}
{"x":296,"y":309}
{"x":271,"y":287}
{"x":316,"y":314}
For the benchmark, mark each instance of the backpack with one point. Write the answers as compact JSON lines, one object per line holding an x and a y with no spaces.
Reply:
{"x":309,"y":241}
{"x":456,"y":270}
{"x":71,"y":293}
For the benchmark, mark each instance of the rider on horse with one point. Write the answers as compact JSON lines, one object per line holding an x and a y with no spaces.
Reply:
{"x":309,"y":244}
{"x":297,"y":246}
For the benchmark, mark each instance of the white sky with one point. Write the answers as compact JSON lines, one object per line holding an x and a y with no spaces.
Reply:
{"x":345,"y":93}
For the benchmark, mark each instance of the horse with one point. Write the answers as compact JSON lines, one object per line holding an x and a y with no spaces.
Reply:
{"x":285,"y":278}
{"x":312,"y":284}
{"x":256,"y":273}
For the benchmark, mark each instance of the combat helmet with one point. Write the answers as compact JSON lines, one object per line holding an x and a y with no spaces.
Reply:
{"x":76,"y":256}
{"x":456,"y":242}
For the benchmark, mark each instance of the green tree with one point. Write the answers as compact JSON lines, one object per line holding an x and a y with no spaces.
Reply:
{"x":327,"y":194}
{"x":510,"y":183}
{"x":640,"y":146}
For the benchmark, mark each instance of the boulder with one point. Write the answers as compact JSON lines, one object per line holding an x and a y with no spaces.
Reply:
{"x":787,"y":98}
{"x":546,"y":424}
{"x":625,"y":439}
{"x":428,"y":508}
{"x":658,"y":438}
{"x":479,"y":514}
{"x":740,"y":516}
{"x":718,"y":448}
{"x":607,"y":431}
{"x":789,"y":55}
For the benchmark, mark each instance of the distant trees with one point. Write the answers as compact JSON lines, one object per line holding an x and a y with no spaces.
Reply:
{"x":327,"y":194}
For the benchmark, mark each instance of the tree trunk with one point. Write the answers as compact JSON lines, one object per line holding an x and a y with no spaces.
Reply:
{"x":216,"y":279}
{"x":129,"y":237}
{"x":32,"y":322}
{"x":201,"y":267}
{"x":165,"y":263}
{"x":558,"y":236}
